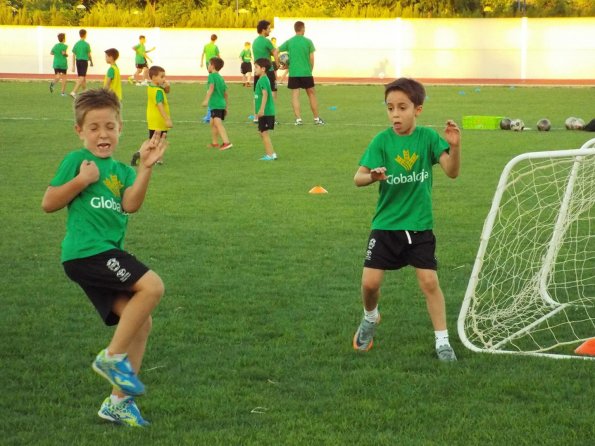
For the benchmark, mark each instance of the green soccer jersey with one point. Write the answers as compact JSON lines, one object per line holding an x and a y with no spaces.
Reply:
{"x":139,"y":57}
{"x":217,"y":99}
{"x":96,"y":222}
{"x":262,"y":48}
{"x":81,"y":50}
{"x":299,"y":49}
{"x":210,"y":51}
{"x":246,"y":55}
{"x":264,"y":84}
{"x":60,"y":60}
{"x":405,"y":200}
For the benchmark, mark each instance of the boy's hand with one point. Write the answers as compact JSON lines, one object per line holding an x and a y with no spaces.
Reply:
{"x":89,"y":172}
{"x":378,"y":174}
{"x":152,"y":150}
{"x":452,"y":133}
{"x":205,"y":103}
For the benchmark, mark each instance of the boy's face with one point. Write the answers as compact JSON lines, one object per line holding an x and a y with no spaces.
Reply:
{"x":401,"y":112}
{"x":109,"y":59}
{"x":100,"y":131}
{"x":159,"y":78}
{"x":258,"y":70}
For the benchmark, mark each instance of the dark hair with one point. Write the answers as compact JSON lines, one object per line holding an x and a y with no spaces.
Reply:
{"x":141,"y":37}
{"x":82,"y":32}
{"x":113,"y":53}
{"x":298,"y":26}
{"x":94,"y":100}
{"x":263,"y":62}
{"x":213,"y":37}
{"x":217,"y":62}
{"x":262,"y":25}
{"x":414,"y":90}
{"x":61,"y":37}
{"x":155,"y":70}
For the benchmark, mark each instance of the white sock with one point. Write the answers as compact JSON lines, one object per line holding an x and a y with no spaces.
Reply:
{"x":441,"y":338}
{"x":117,"y":356}
{"x":371,"y":316}
{"x":117,"y":399}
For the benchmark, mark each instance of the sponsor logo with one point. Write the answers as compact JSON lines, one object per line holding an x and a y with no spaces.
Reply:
{"x":121,"y":273}
{"x":371,"y":243}
{"x":407,"y":160}
{"x":418,"y":177}
{"x":106,"y":203}
{"x":114,"y":185}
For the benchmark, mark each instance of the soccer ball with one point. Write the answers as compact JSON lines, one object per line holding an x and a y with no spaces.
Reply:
{"x":284,"y":59}
{"x":544,"y":125}
{"x":578,"y":124}
{"x":569,"y":123}
{"x":505,"y":124}
{"x":517,"y":125}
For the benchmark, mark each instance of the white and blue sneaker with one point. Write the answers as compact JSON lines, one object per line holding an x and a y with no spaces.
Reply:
{"x":119,"y":373}
{"x":268,"y":158}
{"x":125,"y":412}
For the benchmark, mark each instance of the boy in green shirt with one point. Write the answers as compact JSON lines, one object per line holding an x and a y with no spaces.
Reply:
{"x":401,"y":159}
{"x":81,"y":59}
{"x":60,"y":63}
{"x":140,"y":62}
{"x":301,"y":56}
{"x":246,"y":66}
{"x":265,"y":106}
{"x":100,"y":192}
{"x":209,"y":51}
{"x":216,"y":100}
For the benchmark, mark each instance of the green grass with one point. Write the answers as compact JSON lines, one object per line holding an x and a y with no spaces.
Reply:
{"x":263,"y":284}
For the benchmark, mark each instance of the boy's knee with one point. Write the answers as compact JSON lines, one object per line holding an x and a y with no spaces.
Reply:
{"x":152,"y":284}
{"x":429,"y":284}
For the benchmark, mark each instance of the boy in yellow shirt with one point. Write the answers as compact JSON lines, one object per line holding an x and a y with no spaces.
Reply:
{"x":112,"y":81}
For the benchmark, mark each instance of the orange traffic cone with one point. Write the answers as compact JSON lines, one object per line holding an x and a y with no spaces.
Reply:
{"x":318,"y":190}
{"x":586,"y":348}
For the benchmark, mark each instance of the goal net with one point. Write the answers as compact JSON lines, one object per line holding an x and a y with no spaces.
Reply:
{"x":532,"y":288}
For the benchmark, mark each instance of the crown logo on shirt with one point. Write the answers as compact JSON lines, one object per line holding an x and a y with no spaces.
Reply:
{"x":407,"y":161}
{"x":114,"y":185}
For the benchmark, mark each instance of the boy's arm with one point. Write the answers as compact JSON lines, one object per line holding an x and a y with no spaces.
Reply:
{"x":167,"y":119}
{"x":265,"y":97}
{"x":209,"y":94}
{"x":366,"y":176}
{"x":151,"y":151}
{"x":57,"y":197}
{"x":202,"y":58}
{"x":73,"y":62}
{"x":451,"y":161}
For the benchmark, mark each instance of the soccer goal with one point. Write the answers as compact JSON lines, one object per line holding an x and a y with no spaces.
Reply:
{"x":532,"y":288}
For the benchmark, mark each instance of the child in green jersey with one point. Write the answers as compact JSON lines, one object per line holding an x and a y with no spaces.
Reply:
{"x":265,"y":106}
{"x":401,"y":159}
{"x":60,"y":63}
{"x":100,"y":192}
{"x":141,"y":59}
{"x":216,"y":100}
{"x":81,"y":59}
{"x":112,"y":80}
{"x":246,"y":66}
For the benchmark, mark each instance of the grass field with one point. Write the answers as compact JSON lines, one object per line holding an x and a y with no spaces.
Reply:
{"x":252,"y":343}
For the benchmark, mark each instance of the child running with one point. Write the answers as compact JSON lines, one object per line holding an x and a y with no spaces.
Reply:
{"x":216,"y":99}
{"x":100,"y":192}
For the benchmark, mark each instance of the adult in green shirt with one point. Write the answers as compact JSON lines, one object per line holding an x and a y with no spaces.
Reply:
{"x":262,"y":48}
{"x":301,"y":63}
{"x":81,"y":58}
{"x":60,"y":63}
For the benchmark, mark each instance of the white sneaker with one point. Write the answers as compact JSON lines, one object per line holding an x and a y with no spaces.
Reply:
{"x":318,"y":121}
{"x":298,"y":121}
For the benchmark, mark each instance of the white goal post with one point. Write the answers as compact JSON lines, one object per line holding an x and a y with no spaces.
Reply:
{"x":532,"y":287}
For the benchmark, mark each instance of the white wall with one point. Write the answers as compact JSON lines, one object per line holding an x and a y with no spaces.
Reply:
{"x":557,"y":49}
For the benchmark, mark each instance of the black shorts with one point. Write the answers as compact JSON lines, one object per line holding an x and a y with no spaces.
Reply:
{"x":246,"y":67}
{"x":81,"y":67}
{"x":219,"y":113}
{"x":151,"y":132}
{"x":300,"y":82}
{"x":140,"y":66}
{"x":104,"y":277}
{"x":59,"y":70}
{"x":272,"y":78}
{"x":389,"y":250}
{"x":266,"y":123}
